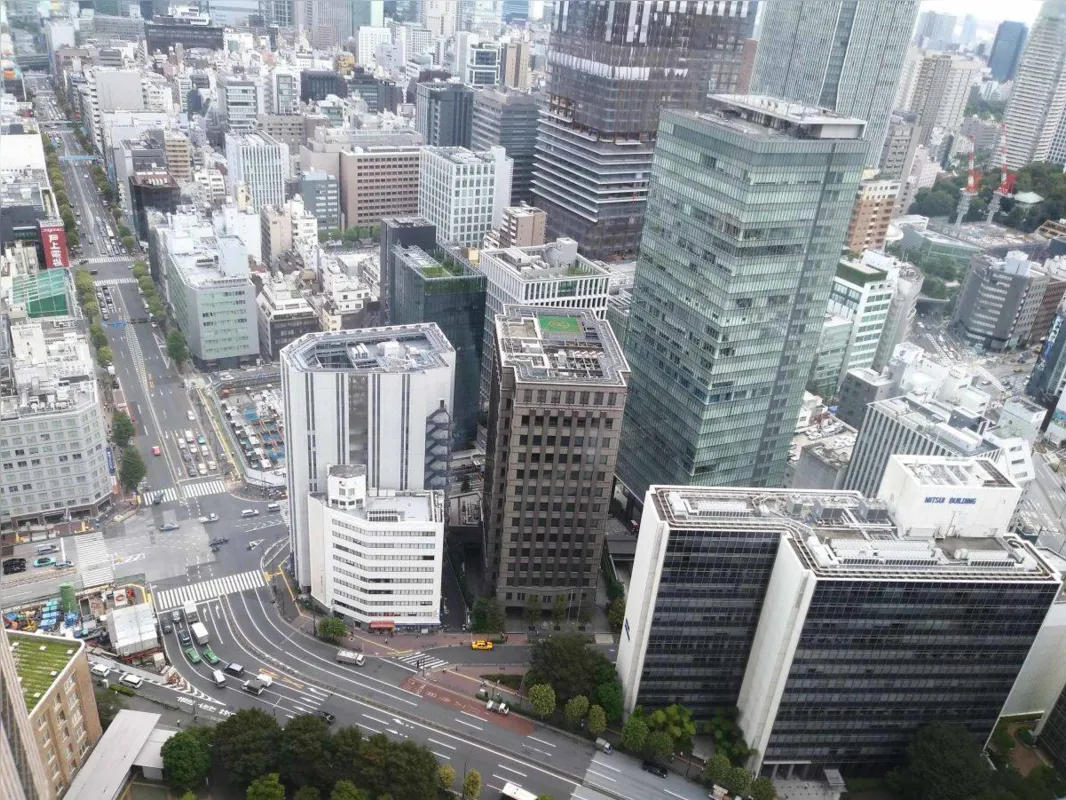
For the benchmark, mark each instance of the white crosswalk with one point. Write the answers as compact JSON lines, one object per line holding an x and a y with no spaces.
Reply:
{"x":171,"y":495}
{"x":204,"y":489}
{"x":429,"y":663}
{"x":93,"y":560}
{"x":117,"y":282}
{"x":136,"y":355}
{"x":108,"y":260}
{"x":208,"y":590}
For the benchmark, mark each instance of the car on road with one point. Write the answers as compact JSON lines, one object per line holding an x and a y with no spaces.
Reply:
{"x":210,"y":657}
{"x":200,"y":439}
{"x":250,"y":512}
{"x":183,"y":638}
{"x":481,"y":644}
{"x":190,"y":416}
{"x":175,"y":616}
{"x":219,"y":540}
{"x":209,"y":518}
{"x":192,"y":655}
{"x":169,"y":526}
{"x":156,"y":451}
{"x":253,"y":686}
{"x":167,"y":627}
{"x":235,"y":669}
{"x":64,"y":564}
{"x":329,"y":718}
{"x":654,"y":769}
{"x":44,"y":561}
{"x":265,"y":679}
{"x":158,"y":499}
{"x":14,"y":565}
{"x":190,"y":470}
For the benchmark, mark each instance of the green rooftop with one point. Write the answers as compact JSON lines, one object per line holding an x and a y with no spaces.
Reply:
{"x":558,"y":324}
{"x":446,"y":267}
{"x":38,"y":661}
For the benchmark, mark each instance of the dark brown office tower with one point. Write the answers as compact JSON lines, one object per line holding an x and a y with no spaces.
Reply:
{"x":555,"y":415}
{"x":613,"y":66}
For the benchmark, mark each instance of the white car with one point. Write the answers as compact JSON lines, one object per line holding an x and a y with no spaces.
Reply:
{"x":265,"y":679}
{"x":209,"y":518}
{"x":190,"y":416}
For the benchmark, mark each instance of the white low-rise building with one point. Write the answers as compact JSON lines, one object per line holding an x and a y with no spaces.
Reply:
{"x":376,"y":555}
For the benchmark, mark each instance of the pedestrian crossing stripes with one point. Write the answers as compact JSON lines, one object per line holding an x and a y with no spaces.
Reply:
{"x":423,"y":661}
{"x":208,"y":590}
{"x":137,"y":356}
{"x":204,"y":489}
{"x":171,"y":495}
{"x":117,"y":282}
{"x":93,"y":560}
{"x":108,"y":260}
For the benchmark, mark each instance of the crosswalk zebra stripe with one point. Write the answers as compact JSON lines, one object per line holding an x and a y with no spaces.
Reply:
{"x":428,"y":662}
{"x":208,"y":590}
{"x":204,"y":489}
{"x":108,"y":260}
{"x":171,"y":495}
{"x":117,"y":282}
{"x":93,"y":560}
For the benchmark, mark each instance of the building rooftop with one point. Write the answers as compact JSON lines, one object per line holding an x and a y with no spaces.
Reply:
{"x":52,"y":370}
{"x":39,"y":660}
{"x":842,"y":535}
{"x":441,"y":265}
{"x":931,"y":418}
{"x":557,"y":260}
{"x":770,"y":117}
{"x":399,"y":348}
{"x":461,"y":156}
{"x":559,"y":345}
{"x":106,"y":770}
{"x":855,"y":271}
{"x":955,"y":472}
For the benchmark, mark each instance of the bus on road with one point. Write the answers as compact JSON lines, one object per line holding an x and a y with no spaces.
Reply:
{"x":512,"y":791}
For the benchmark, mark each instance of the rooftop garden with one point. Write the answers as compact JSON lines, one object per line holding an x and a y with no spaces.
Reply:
{"x":38,"y":662}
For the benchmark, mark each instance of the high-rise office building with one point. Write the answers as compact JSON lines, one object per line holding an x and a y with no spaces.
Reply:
{"x":463,"y":193}
{"x":478,"y":62}
{"x":439,"y":285}
{"x":940,"y":90}
{"x":22,"y":773}
{"x":901,"y":143}
{"x":239,"y":102}
{"x":1007,"y":49}
{"x":444,"y":112}
{"x":885,"y":582}
{"x":614,"y":66}
{"x":555,"y":415}
{"x":514,"y":72}
{"x":509,"y":120}
{"x":404,"y":232}
{"x":375,"y":397}
{"x":719,"y":350}
{"x":1000,"y":300}
{"x":844,"y":55}
{"x":1035,"y":109}
{"x":935,"y":30}
{"x":259,"y":163}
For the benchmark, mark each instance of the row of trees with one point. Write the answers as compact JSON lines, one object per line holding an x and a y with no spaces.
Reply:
{"x":147,"y":286}
{"x":349,"y":235}
{"x":59,"y":191}
{"x":85,"y":290}
{"x":571,"y":669}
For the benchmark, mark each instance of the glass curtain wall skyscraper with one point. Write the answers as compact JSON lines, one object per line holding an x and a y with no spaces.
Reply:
{"x":844,"y":55}
{"x":613,"y":66}
{"x":746,"y":216}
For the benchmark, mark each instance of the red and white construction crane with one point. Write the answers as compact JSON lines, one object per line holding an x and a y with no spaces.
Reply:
{"x":1006,"y":178}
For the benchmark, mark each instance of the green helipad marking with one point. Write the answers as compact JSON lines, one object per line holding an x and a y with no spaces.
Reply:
{"x":553,"y":324}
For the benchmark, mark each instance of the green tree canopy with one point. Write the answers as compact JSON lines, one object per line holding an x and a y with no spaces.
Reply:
{"x":487,"y":616}
{"x":717,"y":768}
{"x":345,"y":753}
{"x":472,"y":784}
{"x":108,"y":704}
{"x":597,"y":720}
{"x":559,"y":607}
{"x":97,"y":335}
{"x":763,"y":789}
{"x":676,"y":721}
{"x":266,"y":787}
{"x":943,"y":763}
{"x":616,"y":614}
{"x":122,"y":429}
{"x":609,"y":697}
{"x":331,"y":629}
{"x":446,"y":777}
{"x":938,"y":201}
{"x":659,"y":745}
{"x":531,"y":612}
{"x":346,"y":790}
{"x":576,"y":709}
{"x":570,"y":666}
{"x":307,"y":793}
{"x":132,"y":470}
{"x":177,"y":347}
{"x":104,"y":357}
{"x":186,"y":761}
{"x":635,"y":735}
{"x":305,"y":752}
{"x":542,"y":697}
{"x":247,"y":746}
{"x":739,"y":780}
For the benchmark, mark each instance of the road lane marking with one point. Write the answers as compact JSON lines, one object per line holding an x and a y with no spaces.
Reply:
{"x":600,"y":774}
{"x":606,"y":766}
{"x":535,"y":739}
{"x":473,"y":716}
{"x":375,"y":719}
{"x":442,"y":744}
{"x":470,"y":724}
{"x":441,"y":755}
{"x":512,"y":769}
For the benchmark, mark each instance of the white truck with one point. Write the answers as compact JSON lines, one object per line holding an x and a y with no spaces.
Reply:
{"x":351,"y":657}
{"x":191,"y":614}
{"x":199,"y":633}
{"x":498,"y":706}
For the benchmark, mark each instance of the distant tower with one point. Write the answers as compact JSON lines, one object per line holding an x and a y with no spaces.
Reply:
{"x":1006,"y":178}
{"x":966,"y":195}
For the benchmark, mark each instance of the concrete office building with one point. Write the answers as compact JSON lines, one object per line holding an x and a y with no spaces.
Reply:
{"x":275,"y":235}
{"x":1034,"y":114}
{"x":351,"y":522}
{"x":598,"y":129}
{"x":239,"y":102}
{"x":846,"y":565}
{"x":508,"y":120}
{"x":940,"y":91}
{"x":22,"y":771}
{"x":379,"y":182}
{"x":552,"y":275}
{"x":477,"y":62}
{"x":907,"y":287}
{"x":1007,"y":49}
{"x":440,"y":286}
{"x":463,"y":193}
{"x":283,"y":98}
{"x":718,"y":375}
{"x":861,"y":293}
{"x":210,"y":291}
{"x":375,"y":397}
{"x":999,"y":301}
{"x":555,"y":415}
{"x":260,"y":163}
{"x":901,"y":143}
{"x":284,"y":315}
{"x":515,"y":71}
{"x":52,"y":679}
{"x":829,"y":360}
{"x":522,"y":226}
{"x":935,"y":30}
{"x":54,"y":451}
{"x":321,"y":193}
{"x":844,"y":55}
{"x":178,"y":152}
{"x":444,"y":113}
{"x":873,"y":210}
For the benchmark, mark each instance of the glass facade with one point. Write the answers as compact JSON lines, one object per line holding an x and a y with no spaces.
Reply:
{"x":710,"y":596}
{"x":1053,"y":734}
{"x":740,"y":245}
{"x":876,"y":660}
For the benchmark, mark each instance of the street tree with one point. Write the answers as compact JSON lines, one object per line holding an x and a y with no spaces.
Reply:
{"x":739,"y":780}
{"x":345,"y":753}
{"x":542,"y":697}
{"x":576,"y":709}
{"x":616,"y":614}
{"x":122,"y":429}
{"x":763,"y":789}
{"x":717,"y":769}
{"x":307,"y":793}
{"x":128,"y":242}
{"x":635,"y":735}
{"x":305,"y":753}
{"x":559,"y":607}
{"x":266,"y":787}
{"x":567,"y":663}
{"x":177,"y":347}
{"x":609,"y":697}
{"x":123,"y":230}
{"x":91,"y":308}
{"x":446,"y":777}
{"x":675,"y":720}
{"x":331,"y":629}
{"x":97,"y":335}
{"x":487,"y":616}
{"x":186,"y":761}
{"x":659,"y":745}
{"x":104,"y":357}
{"x":346,"y":790}
{"x":247,"y":746}
{"x":156,"y":308}
{"x":943,"y":762}
{"x":472,"y":785}
{"x":531,"y":612}
{"x":597,"y":720}
{"x":132,"y":470}
{"x":108,"y":704}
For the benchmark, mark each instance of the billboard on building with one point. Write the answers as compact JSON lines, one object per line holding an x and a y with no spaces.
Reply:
{"x":54,"y":244}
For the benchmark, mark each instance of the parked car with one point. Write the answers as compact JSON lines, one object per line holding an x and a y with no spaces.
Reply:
{"x":169,"y":526}
{"x":44,"y":561}
{"x":481,"y":644}
{"x":64,"y":564}
{"x":654,"y":768}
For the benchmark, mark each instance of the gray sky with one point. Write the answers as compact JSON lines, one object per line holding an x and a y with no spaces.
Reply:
{"x":996,"y":10}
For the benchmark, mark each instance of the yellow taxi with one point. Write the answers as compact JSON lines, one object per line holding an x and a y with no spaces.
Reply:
{"x":481,"y":644}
